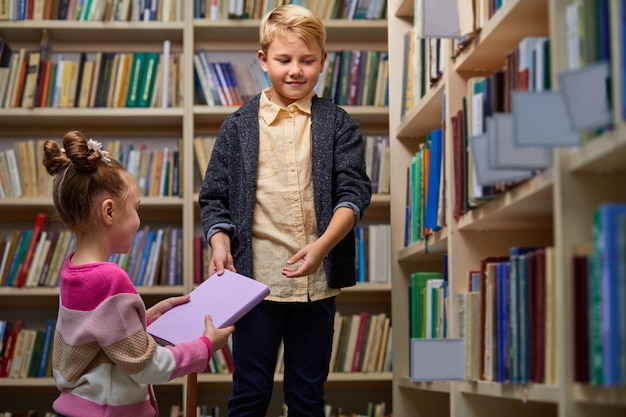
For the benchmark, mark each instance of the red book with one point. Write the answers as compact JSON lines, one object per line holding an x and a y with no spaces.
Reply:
{"x":540,"y":322}
{"x":197,"y":260}
{"x":22,"y":272}
{"x":360,"y":341}
{"x":9,"y":349}
{"x":228,"y":358}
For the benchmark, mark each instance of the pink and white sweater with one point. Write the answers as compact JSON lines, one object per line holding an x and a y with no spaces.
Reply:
{"x":104,"y":361}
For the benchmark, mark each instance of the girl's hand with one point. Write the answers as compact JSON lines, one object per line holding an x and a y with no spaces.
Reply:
{"x":218,"y":337}
{"x":161,"y":307}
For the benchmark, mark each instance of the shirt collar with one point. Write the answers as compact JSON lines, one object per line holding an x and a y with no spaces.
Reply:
{"x":269,"y":111}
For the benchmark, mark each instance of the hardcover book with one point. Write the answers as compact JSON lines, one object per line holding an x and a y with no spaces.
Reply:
{"x":225,"y":297}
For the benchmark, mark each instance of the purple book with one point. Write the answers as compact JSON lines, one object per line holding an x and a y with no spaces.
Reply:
{"x":225,"y":297}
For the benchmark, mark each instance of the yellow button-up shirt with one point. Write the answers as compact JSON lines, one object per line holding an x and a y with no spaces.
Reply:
{"x":284,"y":214}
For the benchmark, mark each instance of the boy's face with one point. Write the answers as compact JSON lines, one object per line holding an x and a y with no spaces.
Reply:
{"x":293,"y":68}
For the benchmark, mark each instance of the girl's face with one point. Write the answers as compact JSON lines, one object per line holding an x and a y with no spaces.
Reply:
{"x":293,"y":68}
{"x":126,"y":220}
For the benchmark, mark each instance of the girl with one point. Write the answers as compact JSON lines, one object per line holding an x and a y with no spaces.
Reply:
{"x":103,"y":359}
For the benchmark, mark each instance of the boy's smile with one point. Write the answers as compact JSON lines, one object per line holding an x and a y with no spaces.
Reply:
{"x":293,"y":68}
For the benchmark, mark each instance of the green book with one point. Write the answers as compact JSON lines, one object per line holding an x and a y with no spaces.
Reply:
{"x":146,"y":84}
{"x":596,"y":352}
{"x":417,"y":303}
{"x":132,"y":100}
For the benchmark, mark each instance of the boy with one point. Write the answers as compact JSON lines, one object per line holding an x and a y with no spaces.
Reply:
{"x":284,"y":189}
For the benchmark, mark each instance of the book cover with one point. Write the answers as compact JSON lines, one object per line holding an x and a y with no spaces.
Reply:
{"x":25,"y":265}
{"x":225,"y":297}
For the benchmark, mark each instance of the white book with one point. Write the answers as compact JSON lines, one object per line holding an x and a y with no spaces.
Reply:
{"x":431,"y":285}
{"x":14,"y":172}
{"x":165,"y":79}
{"x":32,"y":280}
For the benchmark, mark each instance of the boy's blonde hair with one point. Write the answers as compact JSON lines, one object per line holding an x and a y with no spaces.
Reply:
{"x":291,"y":19}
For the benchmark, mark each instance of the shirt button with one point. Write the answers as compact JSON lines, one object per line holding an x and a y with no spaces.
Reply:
{"x":295,"y":199}
{"x":292,"y":169}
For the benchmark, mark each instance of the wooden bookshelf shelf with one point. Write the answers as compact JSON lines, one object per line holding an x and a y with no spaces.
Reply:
{"x":502,"y":33}
{"x":528,"y":204}
{"x":424,"y":117}
{"x":538,"y":393}
{"x":432,"y":386}
{"x":81,"y":32}
{"x":340,"y":31}
{"x":433,"y":247}
{"x":604,"y":154}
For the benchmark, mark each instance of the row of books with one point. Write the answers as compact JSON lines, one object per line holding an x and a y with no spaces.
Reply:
{"x":157,"y":171}
{"x":482,"y":166}
{"x":424,"y":64}
{"x":24,"y":352}
{"x":92,"y":10}
{"x":34,"y":257}
{"x":353,"y":78}
{"x":155,"y":257}
{"x":599,"y":300}
{"x":20,"y":176}
{"x":373,"y":252}
{"x":508,"y":316}
{"x":361,"y":343}
{"x":428,"y":295}
{"x":226,"y":83}
{"x":425,"y":209}
{"x":256,"y":9}
{"x":377,"y":162}
{"x":46,"y":78}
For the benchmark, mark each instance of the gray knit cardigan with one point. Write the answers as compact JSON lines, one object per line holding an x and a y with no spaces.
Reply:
{"x":227,"y":195}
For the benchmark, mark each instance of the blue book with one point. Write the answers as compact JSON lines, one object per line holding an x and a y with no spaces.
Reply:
{"x":434,"y":180}
{"x":516,"y":309}
{"x":176,"y":173}
{"x":502,"y":323}
{"x":145,"y":257}
{"x":42,"y":368}
{"x":134,"y":252}
{"x":360,"y":242}
{"x":607,"y":244}
{"x":523,"y":333}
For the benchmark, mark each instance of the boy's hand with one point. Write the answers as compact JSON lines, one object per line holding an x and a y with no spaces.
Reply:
{"x":218,"y":337}
{"x":162,"y":306}
{"x":221,"y":258}
{"x":309,"y":258}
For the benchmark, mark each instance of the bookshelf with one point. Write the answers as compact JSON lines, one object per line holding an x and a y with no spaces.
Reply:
{"x":157,"y":128}
{"x":553,"y":208}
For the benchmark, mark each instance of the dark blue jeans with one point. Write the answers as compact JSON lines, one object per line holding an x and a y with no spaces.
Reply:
{"x":307,"y":331}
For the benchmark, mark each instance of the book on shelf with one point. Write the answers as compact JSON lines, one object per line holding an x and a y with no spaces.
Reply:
{"x":25,"y":264}
{"x":225,"y":297}
{"x":606,"y":292}
{"x":12,"y":333}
